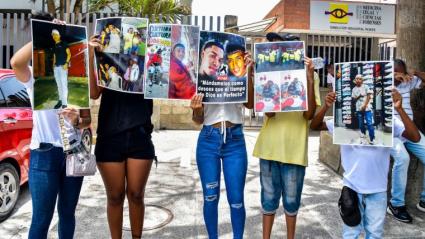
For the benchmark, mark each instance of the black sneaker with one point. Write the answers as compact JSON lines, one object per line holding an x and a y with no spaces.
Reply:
{"x":421,"y":206}
{"x":400,"y":213}
{"x":58,"y":105}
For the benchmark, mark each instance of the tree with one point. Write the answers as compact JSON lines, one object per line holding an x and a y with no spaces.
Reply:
{"x":52,"y":7}
{"x":142,"y":7}
{"x":411,"y":48}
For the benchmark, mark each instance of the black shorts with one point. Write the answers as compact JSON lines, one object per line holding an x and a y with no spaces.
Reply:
{"x":133,"y":143}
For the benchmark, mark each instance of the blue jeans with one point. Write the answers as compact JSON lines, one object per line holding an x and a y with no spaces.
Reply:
{"x":281,"y":179}
{"x":212,"y":150}
{"x":48,"y":181}
{"x":372,"y":209}
{"x":361,"y":116}
{"x":401,"y":165}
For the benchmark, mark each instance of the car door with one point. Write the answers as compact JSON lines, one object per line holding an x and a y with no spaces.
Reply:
{"x":15,"y":123}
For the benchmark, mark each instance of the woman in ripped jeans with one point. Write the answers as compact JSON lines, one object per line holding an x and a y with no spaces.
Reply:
{"x":221,"y":142}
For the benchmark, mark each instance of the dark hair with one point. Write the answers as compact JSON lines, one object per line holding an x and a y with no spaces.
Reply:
{"x":212,"y":43}
{"x":401,"y":63}
{"x":178,"y":45}
{"x":231,"y":48}
{"x":38,"y":15}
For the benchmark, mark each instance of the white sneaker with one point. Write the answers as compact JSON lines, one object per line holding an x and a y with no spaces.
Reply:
{"x":388,"y":76}
{"x":367,"y":66}
{"x":362,"y":135}
{"x":372,"y":142}
{"x":368,"y":72}
{"x":368,"y":77}
{"x":390,"y":87}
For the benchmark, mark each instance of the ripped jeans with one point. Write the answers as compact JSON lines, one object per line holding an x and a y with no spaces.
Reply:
{"x":212,"y":151}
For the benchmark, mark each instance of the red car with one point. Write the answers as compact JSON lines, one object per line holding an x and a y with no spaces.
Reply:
{"x":15,"y":137}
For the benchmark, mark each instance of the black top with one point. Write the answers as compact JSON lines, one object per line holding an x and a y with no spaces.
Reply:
{"x":120,"y":111}
{"x":60,"y":53}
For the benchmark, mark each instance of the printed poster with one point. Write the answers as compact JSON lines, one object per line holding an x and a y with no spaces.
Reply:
{"x":222,"y":72}
{"x":60,"y":65}
{"x":363,"y":111}
{"x":172,"y":57}
{"x":120,"y":64}
{"x":280,"y":77}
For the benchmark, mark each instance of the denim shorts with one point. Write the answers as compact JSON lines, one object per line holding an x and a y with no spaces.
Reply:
{"x":281,"y":179}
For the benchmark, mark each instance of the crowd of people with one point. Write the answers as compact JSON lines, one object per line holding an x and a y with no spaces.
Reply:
{"x":125,"y":152}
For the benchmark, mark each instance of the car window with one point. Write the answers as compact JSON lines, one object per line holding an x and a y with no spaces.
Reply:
{"x":13,"y":93}
{"x":2,"y":101}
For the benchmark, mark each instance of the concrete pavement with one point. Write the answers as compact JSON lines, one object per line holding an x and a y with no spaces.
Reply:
{"x":175,"y":185}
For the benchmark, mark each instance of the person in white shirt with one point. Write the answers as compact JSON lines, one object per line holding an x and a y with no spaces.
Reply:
{"x":47,"y":181}
{"x":330,"y":78}
{"x":405,"y":83}
{"x":362,"y":96}
{"x":366,"y":170}
{"x":221,"y":142}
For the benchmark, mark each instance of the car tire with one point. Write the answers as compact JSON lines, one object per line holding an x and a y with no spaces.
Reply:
{"x":9,"y":189}
{"x":86,"y":139}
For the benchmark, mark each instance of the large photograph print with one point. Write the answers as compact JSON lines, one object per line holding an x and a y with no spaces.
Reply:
{"x":280,"y":77}
{"x":222,"y":72}
{"x":60,"y":60}
{"x":172,"y":57}
{"x":120,"y":64}
{"x":363,"y":112}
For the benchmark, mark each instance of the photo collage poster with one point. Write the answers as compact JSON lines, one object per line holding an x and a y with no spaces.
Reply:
{"x":60,"y":65}
{"x":280,"y":77}
{"x":363,"y":111}
{"x":171,"y":60}
{"x":222,"y":72}
{"x":120,"y":64}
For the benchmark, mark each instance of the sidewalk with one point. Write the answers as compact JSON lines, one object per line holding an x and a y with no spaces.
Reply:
{"x":178,"y":189}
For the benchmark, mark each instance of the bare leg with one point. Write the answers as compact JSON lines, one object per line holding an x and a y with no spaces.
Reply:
{"x":267,"y":225}
{"x":291,"y":222}
{"x":113,"y":175}
{"x":137,"y":176}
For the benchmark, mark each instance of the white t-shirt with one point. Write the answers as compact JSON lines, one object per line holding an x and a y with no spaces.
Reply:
{"x":45,"y":123}
{"x":366,"y":167}
{"x":362,"y":91}
{"x":405,"y":88}
{"x":330,"y":79}
{"x":214,"y":113}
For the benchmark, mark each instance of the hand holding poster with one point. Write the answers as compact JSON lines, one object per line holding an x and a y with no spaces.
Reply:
{"x":363,"y":111}
{"x":59,"y":65}
{"x":222,"y":70}
{"x":120,"y":65}
{"x":172,"y":57}
{"x":280,"y":77}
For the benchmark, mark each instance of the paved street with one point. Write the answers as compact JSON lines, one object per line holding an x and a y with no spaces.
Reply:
{"x":175,"y":185}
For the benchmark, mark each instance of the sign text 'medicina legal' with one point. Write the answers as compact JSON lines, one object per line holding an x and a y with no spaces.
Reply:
{"x":356,"y":17}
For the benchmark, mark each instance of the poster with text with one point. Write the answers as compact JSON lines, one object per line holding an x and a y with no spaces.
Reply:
{"x":280,"y":77}
{"x":120,"y":63}
{"x":222,"y":72}
{"x":363,"y":111}
{"x":172,"y":57}
{"x":60,"y":66}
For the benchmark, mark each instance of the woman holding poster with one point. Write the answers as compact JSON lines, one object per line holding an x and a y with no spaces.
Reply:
{"x":124,"y":149}
{"x":221,"y":141}
{"x":48,"y":183}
